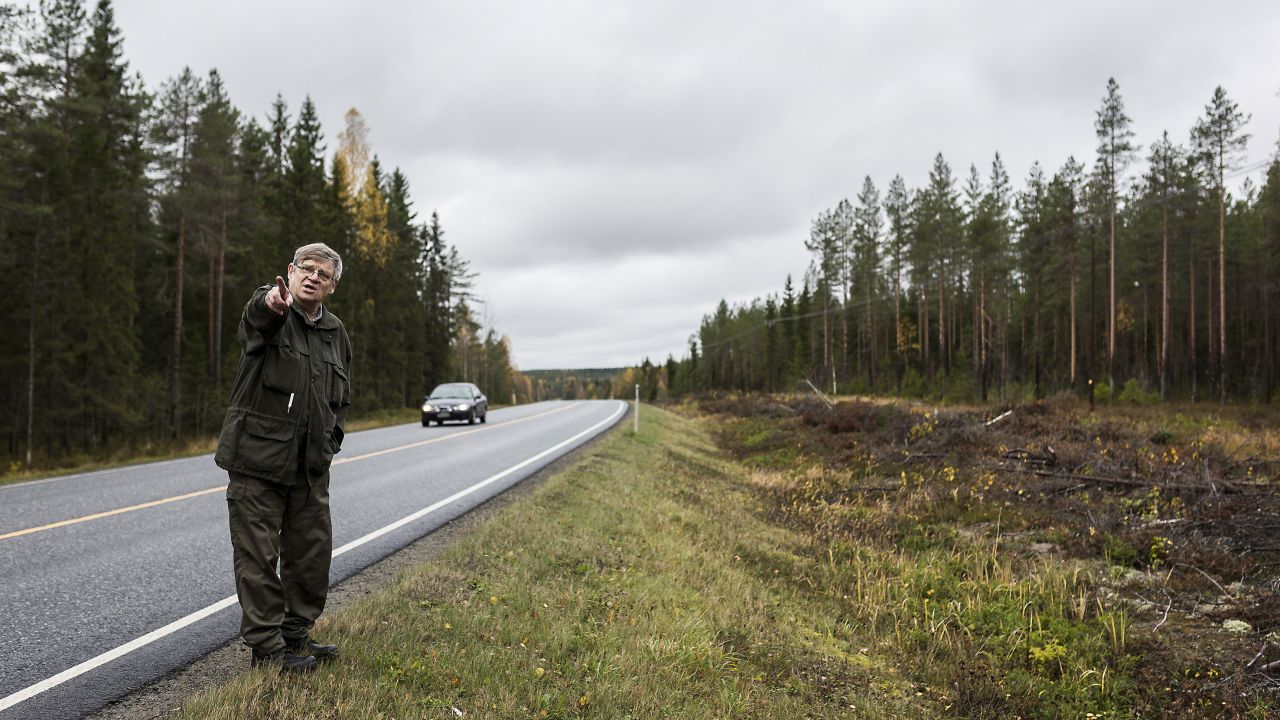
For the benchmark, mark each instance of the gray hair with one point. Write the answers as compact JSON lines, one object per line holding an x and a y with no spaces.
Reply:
{"x":319,"y":251}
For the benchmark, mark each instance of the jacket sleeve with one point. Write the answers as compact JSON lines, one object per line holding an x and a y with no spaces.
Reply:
{"x":258,"y":324}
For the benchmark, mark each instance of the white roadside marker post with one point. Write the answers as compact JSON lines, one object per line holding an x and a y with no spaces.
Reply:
{"x":637,"y":412}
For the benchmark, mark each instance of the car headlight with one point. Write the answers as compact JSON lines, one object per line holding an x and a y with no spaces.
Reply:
{"x":463,"y":407}
{"x":426,"y":407}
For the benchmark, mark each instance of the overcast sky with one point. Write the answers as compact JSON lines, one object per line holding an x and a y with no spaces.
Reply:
{"x":613,"y":169}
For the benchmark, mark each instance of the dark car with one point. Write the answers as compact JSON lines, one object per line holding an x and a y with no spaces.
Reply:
{"x":455,"y":401}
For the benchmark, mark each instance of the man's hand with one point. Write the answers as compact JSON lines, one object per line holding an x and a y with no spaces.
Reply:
{"x":278,"y":297}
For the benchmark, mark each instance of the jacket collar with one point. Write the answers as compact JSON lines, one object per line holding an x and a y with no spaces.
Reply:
{"x":327,"y":319}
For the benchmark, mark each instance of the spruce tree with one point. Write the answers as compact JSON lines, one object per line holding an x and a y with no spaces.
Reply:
{"x":438,"y":328}
{"x":218,"y":205}
{"x":304,"y":196}
{"x":173,"y":134}
{"x":107,"y":211}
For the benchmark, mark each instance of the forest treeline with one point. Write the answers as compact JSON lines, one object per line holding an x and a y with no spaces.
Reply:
{"x":1148,"y":284}
{"x":136,"y":222}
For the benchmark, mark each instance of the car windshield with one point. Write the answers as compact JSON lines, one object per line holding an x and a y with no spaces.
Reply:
{"x":461,"y":392}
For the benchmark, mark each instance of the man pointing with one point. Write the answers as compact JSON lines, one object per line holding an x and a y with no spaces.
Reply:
{"x":285,"y":422}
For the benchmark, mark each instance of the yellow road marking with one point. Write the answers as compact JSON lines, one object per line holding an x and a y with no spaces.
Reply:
{"x":109,"y":513}
{"x":220,"y":488}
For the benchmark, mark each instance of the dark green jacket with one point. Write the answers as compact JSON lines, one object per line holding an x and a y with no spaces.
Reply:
{"x":291,"y":394}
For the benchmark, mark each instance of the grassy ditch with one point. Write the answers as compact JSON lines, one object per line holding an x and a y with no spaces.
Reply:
{"x":642,"y":582}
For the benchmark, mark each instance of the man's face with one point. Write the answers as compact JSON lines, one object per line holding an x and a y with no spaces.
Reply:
{"x":311,"y":281}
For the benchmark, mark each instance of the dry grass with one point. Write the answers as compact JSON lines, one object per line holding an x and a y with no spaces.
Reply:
{"x":1068,"y":562}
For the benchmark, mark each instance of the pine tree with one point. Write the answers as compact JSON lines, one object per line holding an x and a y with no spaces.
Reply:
{"x":938,"y":234}
{"x":826,"y":241}
{"x":988,"y":233}
{"x":1166,"y":163}
{"x":1115,"y":149}
{"x":1062,"y":208}
{"x":1033,"y":247}
{"x":897,"y":206}
{"x":868,"y":225}
{"x":1219,"y":139}
{"x":1269,"y":226}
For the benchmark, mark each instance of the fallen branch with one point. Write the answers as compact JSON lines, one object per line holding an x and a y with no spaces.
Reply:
{"x":821,"y":394}
{"x":997,"y":418}
{"x":1262,"y":650}
{"x":1163,"y":619}
{"x":1048,"y":459}
{"x":1126,"y":482}
{"x":1206,"y":576}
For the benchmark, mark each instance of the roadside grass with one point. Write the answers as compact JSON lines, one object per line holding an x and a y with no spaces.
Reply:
{"x":644,"y":581}
{"x":750,"y":558}
{"x":157,"y":451}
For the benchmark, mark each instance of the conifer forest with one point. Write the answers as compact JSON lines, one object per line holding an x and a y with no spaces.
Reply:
{"x":137,"y":219}
{"x":137,"y":215}
{"x":1145,"y":273}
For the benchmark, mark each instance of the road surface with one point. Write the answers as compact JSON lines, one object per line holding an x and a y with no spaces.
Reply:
{"x":110,"y":580}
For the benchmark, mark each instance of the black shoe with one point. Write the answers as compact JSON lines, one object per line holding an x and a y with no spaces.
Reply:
{"x":285,"y":660}
{"x":306,"y":646}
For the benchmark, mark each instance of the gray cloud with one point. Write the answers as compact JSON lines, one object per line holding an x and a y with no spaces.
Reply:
{"x":613,"y":170}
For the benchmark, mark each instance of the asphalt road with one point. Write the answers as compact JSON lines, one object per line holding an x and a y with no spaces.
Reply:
{"x":112,"y":579}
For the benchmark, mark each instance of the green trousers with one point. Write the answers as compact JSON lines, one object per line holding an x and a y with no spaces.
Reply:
{"x":272,"y":524}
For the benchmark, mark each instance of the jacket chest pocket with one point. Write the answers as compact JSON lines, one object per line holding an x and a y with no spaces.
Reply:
{"x":281,"y":367}
{"x":339,"y":383}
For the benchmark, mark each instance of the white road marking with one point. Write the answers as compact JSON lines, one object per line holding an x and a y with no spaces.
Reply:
{"x":463,"y":493}
{"x":173,"y":627}
{"x":209,"y":491}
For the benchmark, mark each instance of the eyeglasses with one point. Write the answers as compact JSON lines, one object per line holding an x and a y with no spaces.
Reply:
{"x":313,"y":271}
